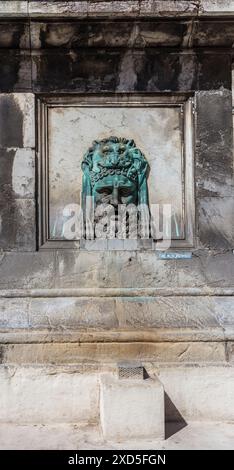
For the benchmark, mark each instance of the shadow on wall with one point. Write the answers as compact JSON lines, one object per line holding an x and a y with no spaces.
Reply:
{"x":174,"y":421}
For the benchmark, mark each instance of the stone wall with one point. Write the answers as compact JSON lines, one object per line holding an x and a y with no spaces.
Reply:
{"x":69,"y":306}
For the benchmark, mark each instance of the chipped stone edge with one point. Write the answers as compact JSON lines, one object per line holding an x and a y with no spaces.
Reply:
{"x":118,"y":292}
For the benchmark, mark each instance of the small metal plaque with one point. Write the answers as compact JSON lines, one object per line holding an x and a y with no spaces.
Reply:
{"x":175,"y":255}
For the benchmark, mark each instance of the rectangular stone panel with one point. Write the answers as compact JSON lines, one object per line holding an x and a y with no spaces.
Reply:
{"x":161,"y":129}
{"x":156,"y":131}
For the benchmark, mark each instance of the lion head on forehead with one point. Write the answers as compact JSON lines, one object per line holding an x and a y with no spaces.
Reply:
{"x":115,"y":158}
{"x":115,"y":155}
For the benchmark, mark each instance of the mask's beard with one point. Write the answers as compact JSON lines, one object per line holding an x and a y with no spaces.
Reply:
{"x":115,"y":223}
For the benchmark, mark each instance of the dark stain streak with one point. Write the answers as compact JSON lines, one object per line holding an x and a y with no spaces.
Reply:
{"x":1,"y":354}
{"x":8,"y":208}
{"x":11,"y":123}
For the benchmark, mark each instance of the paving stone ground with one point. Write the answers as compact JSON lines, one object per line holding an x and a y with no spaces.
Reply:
{"x":196,"y":435}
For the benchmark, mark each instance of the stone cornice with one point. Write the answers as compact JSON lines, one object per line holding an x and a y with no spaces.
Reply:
{"x":117,"y":9}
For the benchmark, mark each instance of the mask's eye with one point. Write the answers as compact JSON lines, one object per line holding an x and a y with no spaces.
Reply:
{"x":104,"y":190}
{"x":121,"y":150}
{"x":125,"y":191}
{"x":105,"y":150}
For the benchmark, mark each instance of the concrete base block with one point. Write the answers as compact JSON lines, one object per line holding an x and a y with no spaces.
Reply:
{"x":131,"y":408}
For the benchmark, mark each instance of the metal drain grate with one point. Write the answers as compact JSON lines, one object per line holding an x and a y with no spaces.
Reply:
{"x":131,"y":371}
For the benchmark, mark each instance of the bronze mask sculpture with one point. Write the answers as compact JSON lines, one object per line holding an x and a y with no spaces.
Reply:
{"x":115,"y":172}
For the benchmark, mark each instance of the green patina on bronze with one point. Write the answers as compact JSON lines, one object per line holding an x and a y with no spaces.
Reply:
{"x":115,"y":172}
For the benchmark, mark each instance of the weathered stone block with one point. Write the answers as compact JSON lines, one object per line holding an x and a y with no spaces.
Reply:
{"x":82,"y":70}
{"x":167,"y":312}
{"x":72,"y":313}
{"x":17,"y":174}
{"x":40,"y":395}
{"x":13,"y":8}
{"x":214,"y":71}
{"x":219,"y":269}
{"x":15,"y":71}
{"x":168,"y":8}
{"x":18,"y":227}
{"x":230,"y":351}
{"x":81,"y":269}
{"x":197,"y":352}
{"x":224,"y":313}
{"x":6,"y":168}
{"x":211,"y":33}
{"x":17,"y":120}
{"x":157,"y":72}
{"x":58,"y":8}
{"x":23,"y":174}
{"x":111,"y":69}
{"x":130,"y":269}
{"x":216,"y":222}
{"x":14,"y":313}
{"x":109,"y":33}
{"x":14,"y":35}
{"x":142,"y":269}
{"x":191,"y":272}
{"x":200,"y":392}
{"x":214,"y":144}
{"x":112,"y":8}
{"x":131,"y":408}
{"x":106,"y":34}
{"x":216,"y":7}
{"x":27,"y":270}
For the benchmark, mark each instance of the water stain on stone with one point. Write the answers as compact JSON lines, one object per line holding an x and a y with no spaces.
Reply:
{"x":1,"y":355}
{"x":10,"y":62}
{"x":8,"y":208}
{"x":11,"y":123}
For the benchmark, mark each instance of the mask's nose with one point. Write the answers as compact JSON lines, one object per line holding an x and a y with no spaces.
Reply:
{"x":114,"y":157}
{"x":115,"y":197}
{"x":115,"y":194}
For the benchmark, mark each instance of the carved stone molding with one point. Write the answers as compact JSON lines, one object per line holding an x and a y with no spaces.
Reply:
{"x":62,"y":115}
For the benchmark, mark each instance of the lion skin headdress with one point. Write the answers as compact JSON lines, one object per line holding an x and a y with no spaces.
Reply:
{"x":128,"y":161}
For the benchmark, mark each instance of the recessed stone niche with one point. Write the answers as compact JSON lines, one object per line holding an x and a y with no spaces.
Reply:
{"x":162,"y":129}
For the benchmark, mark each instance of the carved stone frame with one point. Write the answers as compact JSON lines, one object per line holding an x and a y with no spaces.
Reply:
{"x":186,"y":104}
